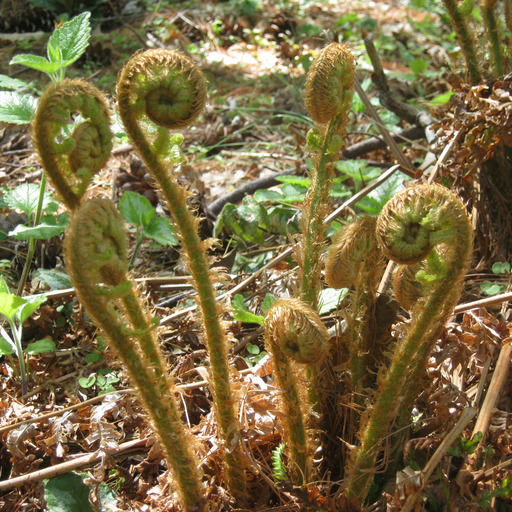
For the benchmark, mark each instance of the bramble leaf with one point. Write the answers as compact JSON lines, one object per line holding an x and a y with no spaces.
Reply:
{"x":69,"y":42}
{"x":16,"y":108}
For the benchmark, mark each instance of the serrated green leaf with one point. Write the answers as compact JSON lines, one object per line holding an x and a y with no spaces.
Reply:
{"x":6,"y":82}
{"x":241,"y":314}
{"x":6,"y":348}
{"x":40,"y":347}
{"x":69,"y":42}
{"x":53,"y":278}
{"x":42,"y":231}
{"x":161,"y":230}
{"x":36,"y":62}
{"x":17,"y":108}
{"x":67,"y":493}
{"x":136,"y":209}
{"x":293,"y":193}
{"x":25,"y":197}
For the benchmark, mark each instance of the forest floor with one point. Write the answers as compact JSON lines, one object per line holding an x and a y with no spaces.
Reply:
{"x":80,"y":413}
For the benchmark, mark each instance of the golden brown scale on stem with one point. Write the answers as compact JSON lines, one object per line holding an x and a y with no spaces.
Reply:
{"x":423,"y":222}
{"x":165,"y":90}
{"x":71,"y":162}
{"x":355,"y":259}
{"x":330,"y":84}
{"x":294,"y":332}
{"x":95,"y":248}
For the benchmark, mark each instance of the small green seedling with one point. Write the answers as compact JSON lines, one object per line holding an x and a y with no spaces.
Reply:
{"x":138,"y":211}
{"x":504,"y":490}
{"x":490,"y":288}
{"x":464,"y":446}
{"x":103,"y":380}
{"x":16,"y":310}
{"x":242,"y":314}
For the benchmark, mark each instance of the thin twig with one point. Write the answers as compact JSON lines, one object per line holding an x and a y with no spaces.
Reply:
{"x":467,"y":415}
{"x":70,"y":465}
{"x":498,"y":380}
{"x":482,"y":303}
{"x":406,"y":165}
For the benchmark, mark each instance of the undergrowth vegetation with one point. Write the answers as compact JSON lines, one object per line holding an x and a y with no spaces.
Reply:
{"x":238,"y":263}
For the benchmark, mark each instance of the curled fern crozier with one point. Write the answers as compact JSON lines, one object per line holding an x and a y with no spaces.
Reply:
{"x":72,"y":159}
{"x":295,"y":332}
{"x":425,"y":223}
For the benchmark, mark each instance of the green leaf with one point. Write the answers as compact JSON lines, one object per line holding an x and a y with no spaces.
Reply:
{"x":6,"y":348}
{"x":17,"y":108}
{"x":87,"y":382}
{"x":36,"y":62}
{"x":10,"y":305}
{"x":40,"y":347}
{"x":377,"y":198}
{"x":69,"y":42}
{"x":25,"y":198}
{"x":241,"y":314}
{"x":3,"y":285}
{"x":29,"y":307}
{"x":53,"y":278}
{"x":330,"y":298}
{"x":253,"y":349}
{"x":6,"y":82}
{"x":107,"y":495}
{"x":268,"y":196}
{"x":94,"y":357}
{"x":501,"y":267}
{"x":67,"y":493}
{"x":136,"y":209}
{"x":418,"y":66}
{"x":442,"y":99}
{"x":278,"y":467}
{"x":302,"y":181}
{"x":161,"y":230}
{"x":42,"y":231}
{"x":490,"y":288}
{"x":267,"y":302}
{"x":293,"y":193}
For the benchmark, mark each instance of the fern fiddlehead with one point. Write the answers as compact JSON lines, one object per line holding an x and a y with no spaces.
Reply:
{"x":97,"y":262}
{"x":71,"y":160}
{"x":167,"y":90}
{"x":295,"y":332}
{"x":355,"y":259}
{"x":424,"y":222}
{"x":329,"y":90}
